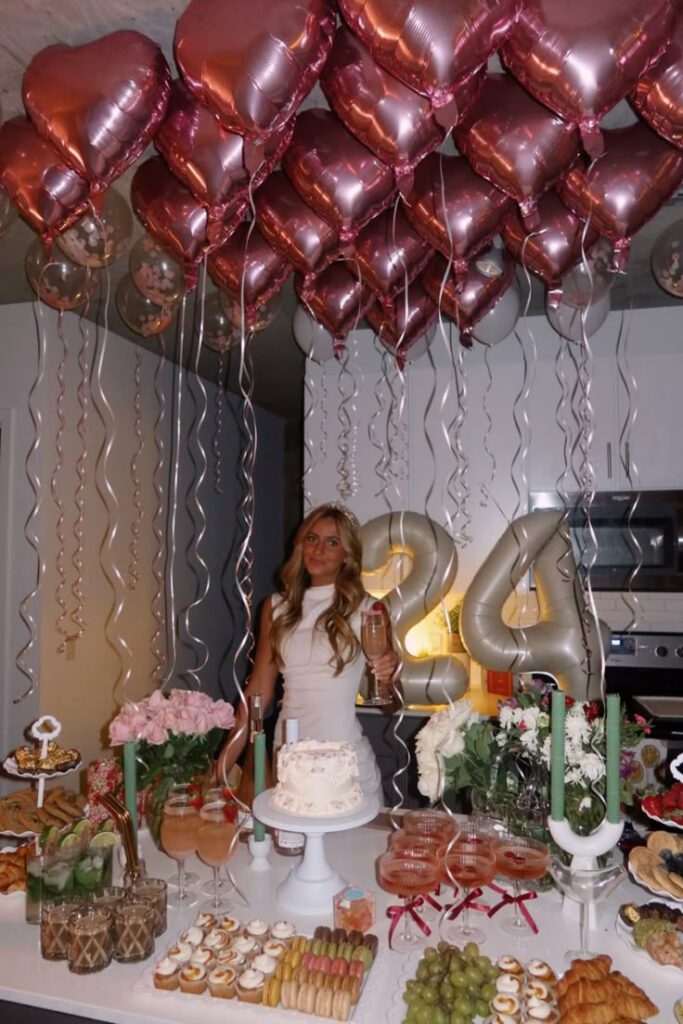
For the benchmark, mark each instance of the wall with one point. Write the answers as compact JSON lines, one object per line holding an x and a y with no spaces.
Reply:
{"x":79,"y":684}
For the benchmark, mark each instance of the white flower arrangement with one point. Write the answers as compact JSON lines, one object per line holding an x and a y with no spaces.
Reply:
{"x":443,"y":735}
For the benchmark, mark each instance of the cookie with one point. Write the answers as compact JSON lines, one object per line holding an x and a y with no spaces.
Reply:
{"x":658,"y":841}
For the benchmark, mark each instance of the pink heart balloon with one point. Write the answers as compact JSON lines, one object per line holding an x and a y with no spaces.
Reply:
{"x":454,"y":209}
{"x":397,"y":330}
{"x":209,"y":159}
{"x":176,"y":219}
{"x":469,"y":298}
{"x":430,"y":44}
{"x":247,"y":267}
{"x":389,"y":253}
{"x":99,"y":104}
{"x":392,"y":120}
{"x":581,"y":58}
{"x":554,"y":247}
{"x":515,"y":142}
{"x":47,"y":193}
{"x":658,"y":96}
{"x":626,"y":186}
{"x":252,"y":62}
{"x":337,"y":300}
{"x":335,"y":175}
{"x":293,"y":228}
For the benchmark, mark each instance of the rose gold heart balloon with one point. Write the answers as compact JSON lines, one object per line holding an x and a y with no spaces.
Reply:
{"x":99,"y":104}
{"x":454,"y":209}
{"x":658,"y":96}
{"x":626,"y":186}
{"x":581,"y":58}
{"x":551,"y":249}
{"x":337,"y":300}
{"x":390,"y":253}
{"x":515,"y":142}
{"x":47,"y":193}
{"x":175,"y":218}
{"x":430,"y":44}
{"x":253,"y":61}
{"x":392,"y":120}
{"x":209,"y":159}
{"x":397,"y":330}
{"x":470,"y":298}
{"x":247,"y":266}
{"x":335,"y":175}
{"x":293,"y":228}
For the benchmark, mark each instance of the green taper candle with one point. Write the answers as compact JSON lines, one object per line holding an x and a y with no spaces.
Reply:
{"x":557,"y":756}
{"x":130,"y":787}
{"x":612,"y":750}
{"x":259,"y":779}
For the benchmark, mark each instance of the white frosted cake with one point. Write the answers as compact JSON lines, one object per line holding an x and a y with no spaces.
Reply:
{"x":317,"y":779}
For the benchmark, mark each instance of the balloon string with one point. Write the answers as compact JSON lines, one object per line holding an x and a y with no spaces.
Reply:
{"x":377,"y":417}
{"x":564,"y":562}
{"x":171,"y":543}
{"x":345,"y":468}
{"x":463,"y":536}
{"x":194,"y":503}
{"x":157,"y":646}
{"x":32,"y":465}
{"x":134,"y":545}
{"x":629,"y":464}
{"x":324,"y":415}
{"x":426,"y":432}
{"x":83,"y":396}
{"x":487,"y":484}
{"x":227,"y":579}
{"x":216,"y":446}
{"x":57,"y":499}
{"x":310,"y":410}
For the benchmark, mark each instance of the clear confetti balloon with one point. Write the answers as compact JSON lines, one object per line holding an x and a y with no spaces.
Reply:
{"x":262,"y":318}
{"x":56,"y":280}
{"x":667,"y":259}
{"x":220,"y":333}
{"x":99,"y":237}
{"x":8,"y":212}
{"x":156,"y":274}
{"x":139,"y":312}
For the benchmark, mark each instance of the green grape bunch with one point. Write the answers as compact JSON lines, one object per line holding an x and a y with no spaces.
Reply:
{"x":451,"y":986}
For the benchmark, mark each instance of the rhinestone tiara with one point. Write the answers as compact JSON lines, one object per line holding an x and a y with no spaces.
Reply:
{"x":338,"y":507}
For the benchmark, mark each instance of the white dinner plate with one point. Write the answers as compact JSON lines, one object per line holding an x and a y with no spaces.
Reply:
{"x":626,"y":935}
{"x":668,"y":897}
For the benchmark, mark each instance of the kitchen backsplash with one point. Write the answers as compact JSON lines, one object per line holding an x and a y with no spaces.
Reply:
{"x":656,"y":613}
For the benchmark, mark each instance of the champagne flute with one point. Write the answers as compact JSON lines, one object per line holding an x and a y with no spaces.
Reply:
{"x":217,"y":826}
{"x":179,"y":827}
{"x":375,"y":642}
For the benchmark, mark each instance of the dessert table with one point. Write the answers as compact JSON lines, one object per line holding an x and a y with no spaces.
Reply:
{"x":124,"y":994}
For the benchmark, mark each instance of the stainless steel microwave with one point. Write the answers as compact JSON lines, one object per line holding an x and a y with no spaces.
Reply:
{"x":654,"y":521}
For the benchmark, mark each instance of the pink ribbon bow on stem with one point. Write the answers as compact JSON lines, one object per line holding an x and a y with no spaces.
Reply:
{"x":396,"y":912}
{"x":468,"y":903}
{"x":509,"y":898}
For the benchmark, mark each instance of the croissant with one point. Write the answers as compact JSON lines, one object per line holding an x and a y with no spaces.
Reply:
{"x":593,"y":1013}
{"x":591,"y":970}
{"x":627,"y":985}
{"x":634,"y":1005}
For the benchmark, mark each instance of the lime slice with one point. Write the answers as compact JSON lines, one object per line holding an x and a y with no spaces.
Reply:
{"x":48,"y":836}
{"x":103,"y":839}
{"x":70,"y":840}
{"x":107,"y":825}
{"x":81,"y":827}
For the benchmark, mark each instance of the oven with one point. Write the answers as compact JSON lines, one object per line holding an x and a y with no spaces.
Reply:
{"x":646,"y":670}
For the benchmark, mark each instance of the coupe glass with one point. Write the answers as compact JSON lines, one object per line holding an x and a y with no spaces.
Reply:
{"x":407,"y":873}
{"x":520,"y":858}
{"x":470,"y":862}
{"x":374,"y":640}
{"x":431,"y":823}
{"x":179,"y":827}
{"x":585,"y":887}
{"x":217,"y":826}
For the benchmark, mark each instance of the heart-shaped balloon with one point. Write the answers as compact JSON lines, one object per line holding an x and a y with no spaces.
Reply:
{"x":178,"y":221}
{"x":47,"y":193}
{"x":658,"y":96}
{"x":455,"y":210}
{"x":100,"y":103}
{"x":400,"y":323}
{"x":293,"y":228}
{"x":430,"y":44}
{"x":515,"y":142}
{"x":337,"y":300}
{"x":581,"y":58}
{"x":253,"y":61}
{"x":246,"y":266}
{"x":335,"y":175}
{"x":390,"y":253}
{"x":470,"y":298}
{"x":392,"y":120}
{"x":552,"y":249}
{"x":622,"y":190}
{"x":209,"y":159}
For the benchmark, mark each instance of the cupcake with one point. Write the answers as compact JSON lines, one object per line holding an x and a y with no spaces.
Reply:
{"x":250,"y":986}
{"x":510,"y":965}
{"x":539,"y":970}
{"x":229,"y":924}
{"x":166,"y":974}
{"x":205,"y":921}
{"x":222,"y":982}
{"x":506,"y":1004}
{"x":283,"y":931}
{"x":194,"y":936}
{"x":181,"y":953}
{"x":535,"y":989}
{"x":217,"y":939}
{"x":229,"y":957}
{"x":247,"y":946}
{"x":540,"y":1010}
{"x":193,"y":979}
{"x":264,"y":963}
{"x":509,"y":984}
{"x":202,"y":956}
{"x":274,"y":948}
{"x":257,"y":929}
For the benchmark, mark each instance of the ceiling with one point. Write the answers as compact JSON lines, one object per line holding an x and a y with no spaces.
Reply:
{"x":30,"y":25}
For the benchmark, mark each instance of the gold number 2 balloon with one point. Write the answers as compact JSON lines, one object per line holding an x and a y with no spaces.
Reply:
{"x":565,"y":641}
{"x":425,"y":680}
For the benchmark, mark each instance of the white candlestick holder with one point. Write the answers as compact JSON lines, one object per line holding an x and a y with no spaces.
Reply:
{"x":259,"y":850}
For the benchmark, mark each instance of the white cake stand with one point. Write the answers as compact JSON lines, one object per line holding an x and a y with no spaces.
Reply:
{"x":311,"y":884}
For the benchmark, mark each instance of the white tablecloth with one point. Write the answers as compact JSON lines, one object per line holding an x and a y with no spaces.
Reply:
{"x":124,"y":994}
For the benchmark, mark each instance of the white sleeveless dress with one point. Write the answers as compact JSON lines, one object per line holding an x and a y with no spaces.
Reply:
{"x":324,"y":704}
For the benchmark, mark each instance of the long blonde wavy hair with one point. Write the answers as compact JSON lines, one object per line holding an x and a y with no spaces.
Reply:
{"x":348,"y":590}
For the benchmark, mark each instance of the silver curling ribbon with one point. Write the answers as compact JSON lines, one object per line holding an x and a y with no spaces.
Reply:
{"x":138,"y":514}
{"x":56,"y":491}
{"x":219,"y":403}
{"x":83,"y":398}
{"x":158,"y":604}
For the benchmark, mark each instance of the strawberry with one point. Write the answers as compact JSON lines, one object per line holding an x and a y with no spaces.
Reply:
{"x":230,"y":812}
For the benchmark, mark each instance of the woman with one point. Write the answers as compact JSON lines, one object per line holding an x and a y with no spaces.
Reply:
{"x":310,"y":633}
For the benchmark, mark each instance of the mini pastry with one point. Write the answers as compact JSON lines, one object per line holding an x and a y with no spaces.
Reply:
{"x":274,"y":948}
{"x":372,"y":943}
{"x":229,"y":924}
{"x":510,"y":965}
{"x":222,"y":982}
{"x":539,"y":1010}
{"x":505,"y":1004}
{"x":321,"y":932}
{"x":339,"y":935}
{"x":264,"y":963}
{"x":247,"y":946}
{"x":217,"y":938}
{"x":193,"y":936}
{"x":540,"y":970}
{"x":202,"y":956}
{"x":503,"y":1018}
{"x":305,"y":1001}
{"x":181,"y":953}
{"x":166,"y":974}
{"x":535,"y":989}
{"x":193,"y":979}
{"x":509,"y":984}
{"x":341,"y":1005}
{"x":257,"y":928}
{"x":288,"y":993}
{"x":205,"y":921}
{"x":283,"y":931}
{"x":323,"y":1003}
{"x":229,"y":957}
{"x":271,"y":991}
{"x":250,"y":986}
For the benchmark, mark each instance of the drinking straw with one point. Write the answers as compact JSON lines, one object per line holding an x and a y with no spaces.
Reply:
{"x":130,"y":782}
{"x":612,"y":745}
{"x":557,"y":756}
